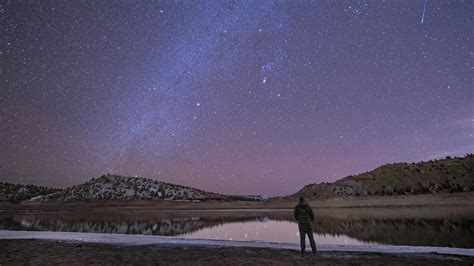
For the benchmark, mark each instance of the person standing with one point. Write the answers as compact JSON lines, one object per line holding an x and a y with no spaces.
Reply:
{"x":304,"y":215}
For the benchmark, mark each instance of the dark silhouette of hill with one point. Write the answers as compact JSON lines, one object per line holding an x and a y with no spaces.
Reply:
{"x":452,"y":174}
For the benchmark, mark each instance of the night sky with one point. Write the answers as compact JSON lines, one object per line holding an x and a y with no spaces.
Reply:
{"x":244,"y":97}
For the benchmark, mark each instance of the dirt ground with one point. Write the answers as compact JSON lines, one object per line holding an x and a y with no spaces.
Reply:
{"x":42,"y":252}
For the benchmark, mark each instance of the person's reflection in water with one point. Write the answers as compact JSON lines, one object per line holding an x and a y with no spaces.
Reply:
{"x":304,"y":215}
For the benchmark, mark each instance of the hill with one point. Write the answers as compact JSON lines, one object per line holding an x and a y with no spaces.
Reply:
{"x":116,"y":187}
{"x":18,"y":192}
{"x":445,"y":175}
{"x":111,"y":187}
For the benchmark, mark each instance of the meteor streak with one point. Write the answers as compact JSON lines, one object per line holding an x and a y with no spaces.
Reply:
{"x":423,"y":15}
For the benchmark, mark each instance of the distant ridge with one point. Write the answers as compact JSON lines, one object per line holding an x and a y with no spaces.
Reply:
{"x":115,"y":187}
{"x":112,"y":187}
{"x":446,"y":175}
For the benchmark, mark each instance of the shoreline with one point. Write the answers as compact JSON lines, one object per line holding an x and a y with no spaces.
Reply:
{"x":139,"y":240}
{"x":460,"y":199}
{"x":151,"y":250}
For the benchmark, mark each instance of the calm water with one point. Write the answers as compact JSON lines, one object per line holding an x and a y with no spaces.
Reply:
{"x":416,"y":227}
{"x":269,"y":230}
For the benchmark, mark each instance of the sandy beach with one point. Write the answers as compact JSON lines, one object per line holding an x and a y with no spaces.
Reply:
{"x":77,"y":253}
{"x":85,"y":248}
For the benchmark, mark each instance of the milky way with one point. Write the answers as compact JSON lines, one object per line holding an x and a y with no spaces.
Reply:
{"x":244,"y":97}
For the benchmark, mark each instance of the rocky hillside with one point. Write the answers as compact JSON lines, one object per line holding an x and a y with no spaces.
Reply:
{"x":108,"y":187}
{"x":18,"y":192}
{"x":445,"y":175}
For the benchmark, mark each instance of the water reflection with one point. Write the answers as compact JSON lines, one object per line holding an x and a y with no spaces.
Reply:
{"x":159,"y":223}
{"x":331,"y":227}
{"x":270,"y":230}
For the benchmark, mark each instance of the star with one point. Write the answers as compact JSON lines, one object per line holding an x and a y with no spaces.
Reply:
{"x":136,"y":92}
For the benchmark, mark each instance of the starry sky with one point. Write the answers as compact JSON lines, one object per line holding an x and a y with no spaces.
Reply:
{"x":240,"y":97}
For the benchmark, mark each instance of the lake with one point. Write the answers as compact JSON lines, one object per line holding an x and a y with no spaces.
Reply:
{"x":440,"y":226}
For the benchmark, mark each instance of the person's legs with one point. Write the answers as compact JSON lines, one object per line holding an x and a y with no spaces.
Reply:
{"x":302,"y":242}
{"x":311,"y":241}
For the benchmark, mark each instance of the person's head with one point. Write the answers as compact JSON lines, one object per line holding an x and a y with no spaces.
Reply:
{"x":301,"y":199}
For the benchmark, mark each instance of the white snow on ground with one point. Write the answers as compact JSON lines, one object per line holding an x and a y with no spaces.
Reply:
{"x":164,"y":240}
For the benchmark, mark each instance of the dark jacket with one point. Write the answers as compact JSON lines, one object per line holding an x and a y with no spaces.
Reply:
{"x":304,"y":215}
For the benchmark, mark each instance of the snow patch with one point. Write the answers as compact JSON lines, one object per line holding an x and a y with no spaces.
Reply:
{"x":151,"y":239}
